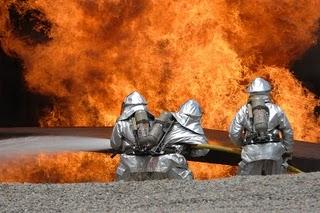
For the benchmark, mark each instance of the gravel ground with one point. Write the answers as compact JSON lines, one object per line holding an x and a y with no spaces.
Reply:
{"x":280,"y":193}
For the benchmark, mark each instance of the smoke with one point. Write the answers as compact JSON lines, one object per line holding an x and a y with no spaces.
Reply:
{"x":307,"y":68}
{"x":19,"y":106}
{"x":30,"y":25}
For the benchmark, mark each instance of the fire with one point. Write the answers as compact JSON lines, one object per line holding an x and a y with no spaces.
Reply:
{"x":88,"y":55}
{"x":207,"y":171}
{"x":60,"y":168}
{"x":83,"y":167}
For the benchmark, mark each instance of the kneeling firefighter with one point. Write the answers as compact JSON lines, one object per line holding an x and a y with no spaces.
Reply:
{"x":133,"y":124}
{"x":157,"y":152}
{"x":172,"y":137}
{"x":264,"y":133}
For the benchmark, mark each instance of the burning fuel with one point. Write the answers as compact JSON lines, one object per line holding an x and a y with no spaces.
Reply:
{"x":59,"y":168}
{"x":88,"y":55}
{"x":84,"y":167}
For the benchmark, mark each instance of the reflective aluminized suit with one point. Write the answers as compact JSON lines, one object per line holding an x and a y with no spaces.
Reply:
{"x":262,"y":158}
{"x":123,"y":137}
{"x":186,"y":131}
{"x":136,"y":165}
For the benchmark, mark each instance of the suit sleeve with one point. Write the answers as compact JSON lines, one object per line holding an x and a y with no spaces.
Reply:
{"x":237,"y":126}
{"x":116,"y":137}
{"x":286,"y":130}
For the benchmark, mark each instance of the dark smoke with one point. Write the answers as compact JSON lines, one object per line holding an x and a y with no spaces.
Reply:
{"x":307,"y":68}
{"x":18,"y":105}
{"x":30,"y":25}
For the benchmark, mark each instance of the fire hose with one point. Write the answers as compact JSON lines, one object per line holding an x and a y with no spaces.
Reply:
{"x":235,"y":150}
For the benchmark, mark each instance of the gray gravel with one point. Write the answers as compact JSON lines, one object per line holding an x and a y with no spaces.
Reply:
{"x":281,"y":193}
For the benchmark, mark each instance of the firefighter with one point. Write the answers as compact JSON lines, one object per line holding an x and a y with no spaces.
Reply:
{"x":187,"y":130}
{"x":155,"y":149}
{"x":174,"y":133}
{"x":134,"y":138}
{"x":133,"y":124}
{"x":263,"y":131}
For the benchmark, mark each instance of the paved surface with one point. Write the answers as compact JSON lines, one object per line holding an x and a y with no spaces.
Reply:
{"x":11,"y":147}
{"x":281,"y":193}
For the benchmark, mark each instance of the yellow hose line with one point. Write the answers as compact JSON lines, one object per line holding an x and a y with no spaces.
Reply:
{"x":235,"y":151}
{"x":294,"y":169}
{"x":218,"y":148}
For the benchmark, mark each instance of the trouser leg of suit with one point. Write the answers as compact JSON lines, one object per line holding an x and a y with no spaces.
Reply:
{"x":180,"y":173}
{"x":130,"y":166}
{"x":252,"y":168}
{"x":272,"y":167}
{"x":177,"y":166}
{"x":260,"y":167}
{"x":172,"y":166}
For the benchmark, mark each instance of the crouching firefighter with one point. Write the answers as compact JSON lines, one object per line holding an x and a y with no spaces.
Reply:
{"x":133,"y":124}
{"x":172,"y":137}
{"x":264,"y":133}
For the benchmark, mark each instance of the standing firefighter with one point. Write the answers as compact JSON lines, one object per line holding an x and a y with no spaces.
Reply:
{"x":263,"y":131}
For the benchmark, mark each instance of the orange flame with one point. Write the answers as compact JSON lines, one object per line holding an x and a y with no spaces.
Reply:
{"x":60,"y":168}
{"x":93,"y":53}
{"x":83,"y":167}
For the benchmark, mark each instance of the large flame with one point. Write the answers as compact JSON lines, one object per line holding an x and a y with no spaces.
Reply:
{"x":59,"y":168}
{"x":90,"y":54}
{"x":83,"y":167}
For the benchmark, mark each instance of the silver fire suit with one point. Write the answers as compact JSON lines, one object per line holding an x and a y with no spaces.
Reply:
{"x":186,"y":131}
{"x":138,"y":164}
{"x":262,"y":158}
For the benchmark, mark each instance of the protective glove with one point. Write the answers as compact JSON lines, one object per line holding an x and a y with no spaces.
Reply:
{"x":287,"y":156}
